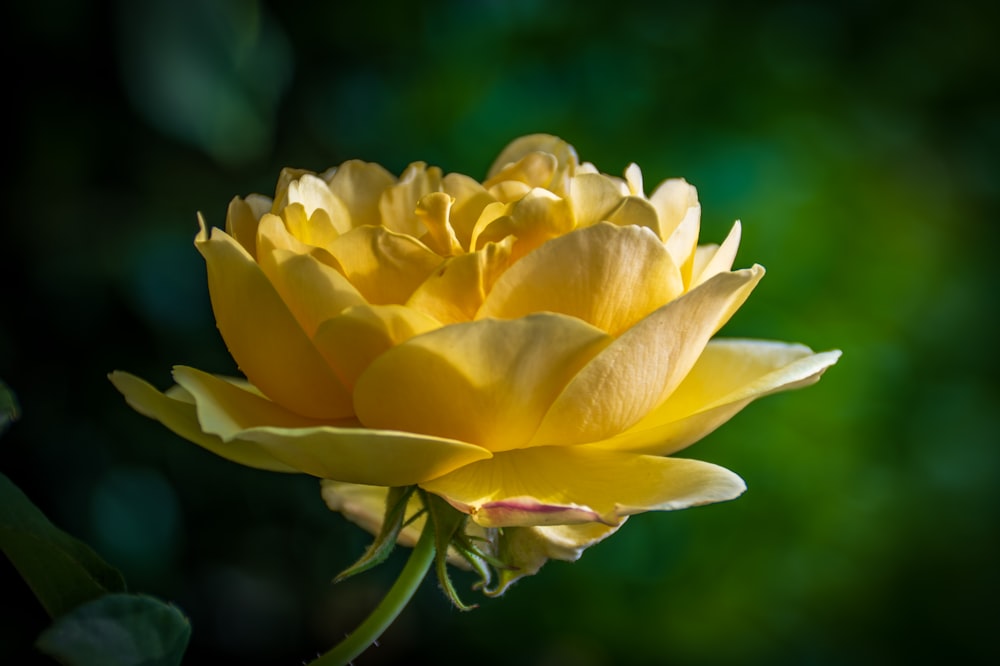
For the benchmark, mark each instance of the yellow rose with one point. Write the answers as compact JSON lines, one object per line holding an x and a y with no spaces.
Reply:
{"x":531,"y":348}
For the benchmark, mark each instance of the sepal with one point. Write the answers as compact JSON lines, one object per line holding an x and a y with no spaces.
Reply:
{"x":385,"y":540}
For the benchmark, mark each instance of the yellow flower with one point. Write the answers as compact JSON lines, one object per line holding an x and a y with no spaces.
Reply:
{"x":531,"y":348}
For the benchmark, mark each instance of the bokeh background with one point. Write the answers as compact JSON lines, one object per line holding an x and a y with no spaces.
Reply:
{"x":857,"y":141}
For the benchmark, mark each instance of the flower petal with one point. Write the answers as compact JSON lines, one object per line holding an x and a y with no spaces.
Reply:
{"x":679,"y":213}
{"x":325,"y":212}
{"x":457,"y":289}
{"x":595,"y":196}
{"x":398,"y":202}
{"x":352,"y":454}
{"x":355,"y":338}
{"x":532,"y":220}
{"x":639,"y":369}
{"x":181,"y":418}
{"x":364,"y":455}
{"x":313,"y":290}
{"x":434,"y":211}
{"x":226,"y":409}
{"x":727,"y":377}
{"x":606,"y":275}
{"x":710,"y":260}
{"x":384,"y":266}
{"x":359,"y":185}
{"x":263,"y":336}
{"x":567,"y":485}
{"x":486,"y":382}
{"x":241,"y":222}
{"x":566,"y":158}
{"x":526,"y":549}
{"x":470,"y":200}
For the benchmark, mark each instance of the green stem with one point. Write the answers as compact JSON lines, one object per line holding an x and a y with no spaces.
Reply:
{"x":390,"y":607}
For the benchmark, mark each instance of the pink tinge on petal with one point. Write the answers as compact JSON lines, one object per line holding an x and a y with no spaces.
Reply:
{"x":513,"y":510}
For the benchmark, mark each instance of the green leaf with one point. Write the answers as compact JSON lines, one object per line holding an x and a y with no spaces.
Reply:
{"x":63,"y":572}
{"x":118,"y":630}
{"x":395,"y":514}
{"x":9,"y":410}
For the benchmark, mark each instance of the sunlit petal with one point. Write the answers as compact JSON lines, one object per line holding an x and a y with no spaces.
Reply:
{"x":606,"y":275}
{"x":352,"y":340}
{"x":342,"y":452}
{"x":457,"y":289}
{"x":565,"y":155}
{"x":398,"y":203}
{"x":384,"y":266}
{"x":313,"y":290}
{"x":181,"y":418}
{"x":716,"y":259}
{"x":359,"y":185}
{"x":579,"y":484}
{"x":729,"y":375}
{"x":645,"y":364}
{"x":487,"y":382}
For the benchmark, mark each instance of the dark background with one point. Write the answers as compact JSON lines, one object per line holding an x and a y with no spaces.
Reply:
{"x":858,"y":142}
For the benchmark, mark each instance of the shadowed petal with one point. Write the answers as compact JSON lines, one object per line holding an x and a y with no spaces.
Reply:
{"x":263,"y":336}
{"x":526,"y":549}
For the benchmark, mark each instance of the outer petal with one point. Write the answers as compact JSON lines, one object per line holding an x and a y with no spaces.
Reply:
{"x":526,"y":549}
{"x":606,"y":275}
{"x":180,"y":417}
{"x":384,"y":266}
{"x":352,"y":454}
{"x":645,"y":364}
{"x":579,"y":484}
{"x":263,"y":336}
{"x":486,"y":382}
{"x":727,"y":377}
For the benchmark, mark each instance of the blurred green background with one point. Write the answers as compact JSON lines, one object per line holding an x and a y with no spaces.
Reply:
{"x":858,"y":142}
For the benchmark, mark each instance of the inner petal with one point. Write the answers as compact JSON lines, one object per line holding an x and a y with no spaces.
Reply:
{"x":487,"y":382}
{"x":606,"y":275}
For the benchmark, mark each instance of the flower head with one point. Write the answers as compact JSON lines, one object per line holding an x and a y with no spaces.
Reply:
{"x":530,"y":348}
